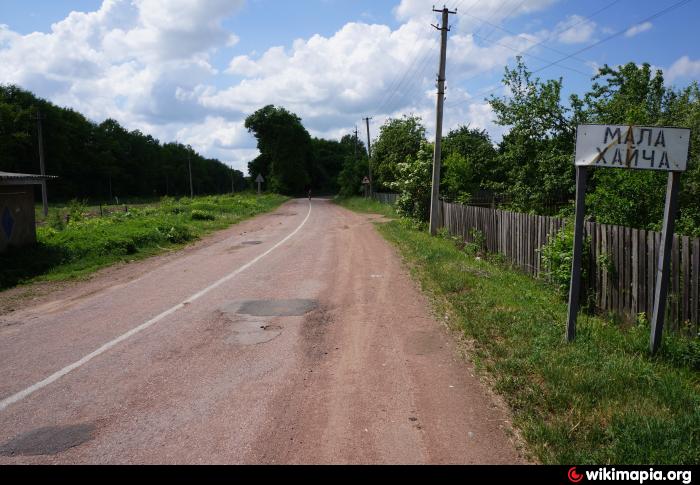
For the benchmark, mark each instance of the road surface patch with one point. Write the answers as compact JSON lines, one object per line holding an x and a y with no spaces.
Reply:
{"x":276,"y":308}
{"x":50,"y":440}
{"x":249,"y":320}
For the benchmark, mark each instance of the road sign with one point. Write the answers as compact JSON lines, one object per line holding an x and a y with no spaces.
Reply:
{"x":365,"y":181}
{"x":259,"y":180}
{"x":637,"y":147}
{"x":631,"y":147}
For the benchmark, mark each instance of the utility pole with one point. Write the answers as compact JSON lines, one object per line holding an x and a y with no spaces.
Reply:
{"x":355,"y":143}
{"x":437,"y":155}
{"x":369,"y":153}
{"x":42,"y":168}
{"x":189,"y":163}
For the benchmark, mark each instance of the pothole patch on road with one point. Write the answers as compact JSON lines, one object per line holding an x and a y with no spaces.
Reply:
{"x":249,"y":320}
{"x":296,"y":307}
{"x":50,"y":440}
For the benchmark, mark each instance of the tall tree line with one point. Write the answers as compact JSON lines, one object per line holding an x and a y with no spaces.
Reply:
{"x":293,"y":162}
{"x":101,"y":161}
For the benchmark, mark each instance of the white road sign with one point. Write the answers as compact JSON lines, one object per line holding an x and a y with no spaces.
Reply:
{"x":260,"y":179}
{"x":640,"y":147}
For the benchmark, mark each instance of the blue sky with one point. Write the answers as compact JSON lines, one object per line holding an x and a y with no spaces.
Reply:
{"x":192,"y":71}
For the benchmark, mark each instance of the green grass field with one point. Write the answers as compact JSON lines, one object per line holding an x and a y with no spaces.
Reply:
{"x":87,"y":243}
{"x":602,"y":399}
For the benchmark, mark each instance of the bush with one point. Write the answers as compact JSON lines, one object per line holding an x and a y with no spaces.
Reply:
{"x":200,"y":215}
{"x":56,"y":220}
{"x":414,"y":184}
{"x":77,"y":210}
{"x":557,"y":257}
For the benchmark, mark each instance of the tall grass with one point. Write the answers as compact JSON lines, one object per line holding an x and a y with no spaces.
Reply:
{"x":84,"y":244}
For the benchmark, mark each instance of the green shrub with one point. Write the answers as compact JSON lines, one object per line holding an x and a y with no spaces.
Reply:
{"x":77,"y":210}
{"x":414,"y":184}
{"x":56,"y":220}
{"x":557,"y":257}
{"x":477,"y":247}
{"x":200,"y":215}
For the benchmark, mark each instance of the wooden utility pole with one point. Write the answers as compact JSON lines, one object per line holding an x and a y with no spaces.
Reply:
{"x":42,"y":167}
{"x":369,"y":160}
{"x":437,"y":155}
{"x":355,"y":143}
{"x":189,"y":163}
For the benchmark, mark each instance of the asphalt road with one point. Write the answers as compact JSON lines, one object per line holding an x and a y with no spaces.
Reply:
{"x":294,"y":337}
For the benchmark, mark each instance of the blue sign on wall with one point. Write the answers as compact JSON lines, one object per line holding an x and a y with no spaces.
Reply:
{"x":7,"y":222}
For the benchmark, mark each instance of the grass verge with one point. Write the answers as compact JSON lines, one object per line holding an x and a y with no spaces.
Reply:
{"x":367,"y":206}
{"x":600,"y":400}
{"x":86,"y":244}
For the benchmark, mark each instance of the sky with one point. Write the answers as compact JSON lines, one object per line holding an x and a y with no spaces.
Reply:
{"x":192,"y":70}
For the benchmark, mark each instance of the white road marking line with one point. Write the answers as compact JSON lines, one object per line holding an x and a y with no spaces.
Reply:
{"x":69,"y":368}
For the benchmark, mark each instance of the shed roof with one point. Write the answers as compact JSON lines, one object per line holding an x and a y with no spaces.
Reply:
{"x":7,"y":178}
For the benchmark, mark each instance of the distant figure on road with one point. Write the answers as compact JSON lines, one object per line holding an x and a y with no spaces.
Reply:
{"x":309,"y":194}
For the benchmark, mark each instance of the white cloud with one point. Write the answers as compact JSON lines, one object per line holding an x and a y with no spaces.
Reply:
{"x":333,"y":81}
{"x":638,"y":29}
{"x":683,"y":67}
{"x":326,"y":80}
{"x":149,"y":64}
{"x":575,"y":30}
{"x":129,"y":60}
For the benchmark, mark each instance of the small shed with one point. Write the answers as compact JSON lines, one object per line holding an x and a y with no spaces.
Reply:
{"x":17,"y":220}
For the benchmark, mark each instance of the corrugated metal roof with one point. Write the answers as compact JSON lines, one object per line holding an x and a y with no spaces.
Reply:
{"x":24,"y":176}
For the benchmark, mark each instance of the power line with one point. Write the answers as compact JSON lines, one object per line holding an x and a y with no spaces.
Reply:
{"x":512,"y":12}
{"x":510,"y":32}
{"x":566,"y":28}
{"x":424,"y":57}
{"x":597,"y":43}
{"x":573,"y":69}
{"x":553,"y":34}
{"x":617,"y":34}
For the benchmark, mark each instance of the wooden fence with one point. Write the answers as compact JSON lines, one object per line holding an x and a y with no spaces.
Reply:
{"x":385,"y":198}
{"x":621,"y":263}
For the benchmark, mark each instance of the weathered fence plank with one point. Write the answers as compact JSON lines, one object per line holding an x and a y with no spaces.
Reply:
{"x":621,"y":266}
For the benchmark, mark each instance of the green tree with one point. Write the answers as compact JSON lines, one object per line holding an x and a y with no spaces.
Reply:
{"x":414,"y":183}
{"x":536,"y":154}
{"x":96,"y":160}
{"x":355,"y":167}
{"x":469,"y":163}
{"x":398,"y":140}
{"x":284,"y":140}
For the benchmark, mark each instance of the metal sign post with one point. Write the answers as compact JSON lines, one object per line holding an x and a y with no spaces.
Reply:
{"x":259,"y":180}
{"x":630,"y":147}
